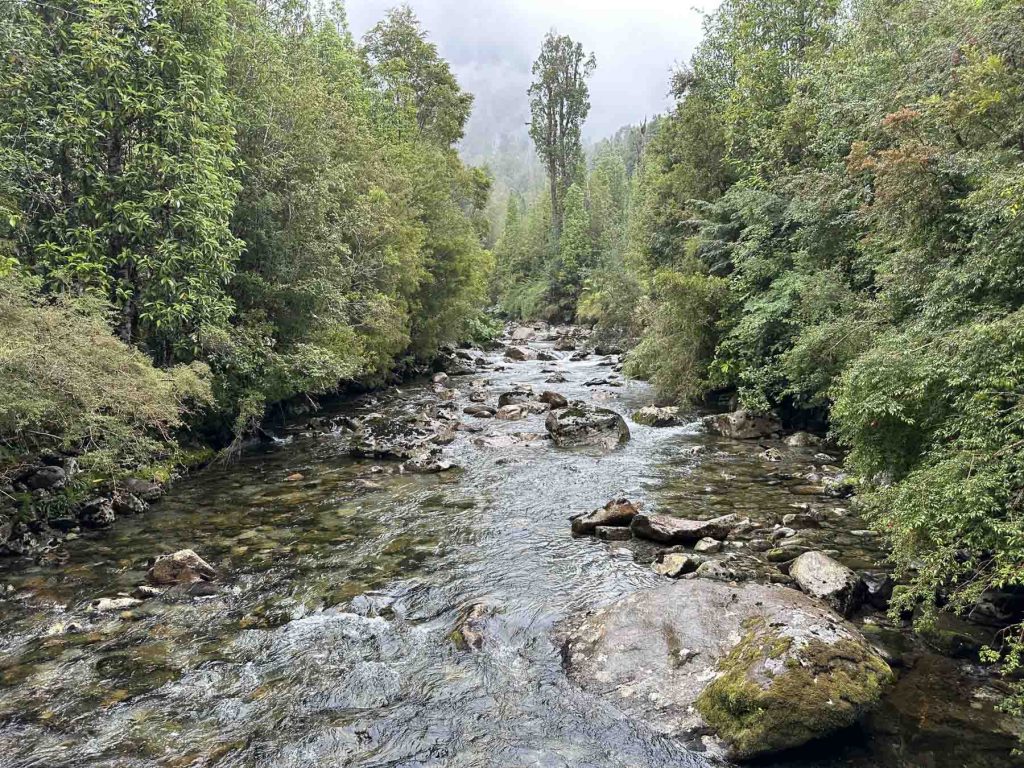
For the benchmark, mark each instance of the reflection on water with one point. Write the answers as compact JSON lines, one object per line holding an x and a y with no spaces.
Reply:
{"x":329,"y":643}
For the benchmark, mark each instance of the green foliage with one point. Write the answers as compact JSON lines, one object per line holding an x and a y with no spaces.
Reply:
{"x":67,"y":383}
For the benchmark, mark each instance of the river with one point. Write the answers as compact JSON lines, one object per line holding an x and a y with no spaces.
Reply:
{"x":328,"y":643}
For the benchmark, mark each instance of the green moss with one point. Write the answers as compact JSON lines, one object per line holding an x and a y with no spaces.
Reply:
{"x":819,"y":689}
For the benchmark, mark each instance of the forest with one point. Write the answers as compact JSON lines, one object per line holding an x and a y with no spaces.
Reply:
{"x":216,"y":215}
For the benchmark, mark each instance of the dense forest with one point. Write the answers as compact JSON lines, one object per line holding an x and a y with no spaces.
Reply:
{"x":211,"y":209}
{"x":828,"y":224}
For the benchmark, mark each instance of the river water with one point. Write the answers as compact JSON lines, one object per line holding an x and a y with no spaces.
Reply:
{"x":329,"y":642}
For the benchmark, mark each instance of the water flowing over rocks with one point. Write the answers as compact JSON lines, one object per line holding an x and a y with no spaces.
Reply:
{"x":761,"y":668}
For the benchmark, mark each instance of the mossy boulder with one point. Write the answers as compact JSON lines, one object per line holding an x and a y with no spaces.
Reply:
{"x":764,"y":668}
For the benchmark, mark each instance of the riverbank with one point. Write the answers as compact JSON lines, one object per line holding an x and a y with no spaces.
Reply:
{"x":327,"y":635}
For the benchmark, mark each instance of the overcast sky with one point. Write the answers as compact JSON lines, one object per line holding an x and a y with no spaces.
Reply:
{"x":491,"y":45}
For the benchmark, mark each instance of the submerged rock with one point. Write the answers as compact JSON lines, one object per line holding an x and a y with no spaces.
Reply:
{"x":617,"y":513}
{"x":765,"y":668}
{"x":658,"y":417}
{"x":469,"y":632}
{"x":114,"y":604}
{"x":582,"y":424}
{"x":821,"y":577}
{"x":182,"y":567}
{"x":743,"y":425}
{"x":678,"y":530}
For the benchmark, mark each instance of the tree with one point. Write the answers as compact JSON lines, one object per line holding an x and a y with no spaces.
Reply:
{"x":414,"y":78}
{"x":559,"y":104}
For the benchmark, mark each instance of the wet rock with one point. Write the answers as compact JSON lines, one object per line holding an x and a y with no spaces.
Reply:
{"x":6,"y":528}
{"x":612,"y":533}
{"x":618,"y":512}
{"x":773,"y":455}
{"x":579,"y":357}
{"x":743,"y":425}
{"x":677,"y":530}
{"x":565,"y":344}
{"x":558,"y":378}
{"x":808,"y":490}
{"x":114,"y":604}
{"x":477,"y":395}
{"x":598,"y":382}
{"x":555,"y":400}
{"x":547,"y":357}
{"x":480,"y":411}
{"x":763,"y":667}
{"x":146,"y":490}
{"x":582,"y":424}
{"x":520,"y":354}
{"x":708,"y":546}
{"x":129,"y":504}
{"x":428,"y":465}
{"x":440,"y":379}
{"x":878,"y":588}
{"x":523,"y":333}
{"x":470,"y":630}
{"x":517,"y":396}
{"x":785,"y":554}
{"x":401,"y":437}
{"x":802,"y":440}
{"x":675,"y":564}
{"x":97,"y":513}
{"x":511,"y":413}
{"x":146,"y":592}
{"x":658,"y":417}
{"x":182,"y":567}
{"x":821,"y":577}
{"x":802,"y":520}
{"x":783,"y":533}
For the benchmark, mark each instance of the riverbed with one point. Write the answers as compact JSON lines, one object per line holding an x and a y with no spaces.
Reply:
{"x":329,"y":639}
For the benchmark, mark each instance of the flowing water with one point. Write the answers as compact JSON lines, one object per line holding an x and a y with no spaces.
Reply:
{"x":329,"y":642}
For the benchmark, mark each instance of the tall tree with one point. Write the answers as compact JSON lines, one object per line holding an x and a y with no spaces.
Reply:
{"x":559,"y":104}
{"x":408,"y":69}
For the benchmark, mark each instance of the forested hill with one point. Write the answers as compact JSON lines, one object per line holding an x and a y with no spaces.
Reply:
{"x":207,"y":207}
{"x":828,"y":224}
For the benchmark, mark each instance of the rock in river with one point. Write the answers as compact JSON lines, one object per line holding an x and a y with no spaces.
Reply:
{"x":582,"y":424}
{"x":182,"y":567}
{"x":743,"y":425}
{"x":765,"y":668}
{"x":818,"y":575}
{"x":677,"y":530}
{"x":617,"y":513}
{"x":653,"y":416}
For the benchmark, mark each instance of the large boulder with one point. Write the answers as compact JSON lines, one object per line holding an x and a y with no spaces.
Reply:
{"x":653,"y":416}
{"x":743,"y":425}
{"x":616,"y":513}
{"x":582,"y":424}
{"x":402,"y":437}
{"x":677,"y":530}
{"x":821,"y":577}
{"x":764,"y":668}
{"x":555,"y":400}
{"x":182,"y":567}
{"x":520,"y":354}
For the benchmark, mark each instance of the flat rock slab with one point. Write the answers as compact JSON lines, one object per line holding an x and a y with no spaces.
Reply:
{"x":763,"y":668}
{"x":677,"y":530}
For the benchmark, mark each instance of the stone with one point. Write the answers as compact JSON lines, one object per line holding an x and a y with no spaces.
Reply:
{"x":146,"y":592}
{"x":47,"y":479}
{"x":558,"y":378}
{"x":763,"y":668}
{"x":878,"y":587}
{"x":523,"y":333}
{"x":618,"y":512}
{"x":555,"y":400}
{"x":613,"y":533}
{"x":114,"y":604}
{"x":586,"y":425}
{"x":547,"y":357}
{"x":722,"y":570}
{"x":708,"y":545}
{"x":652,"y":416}
{"x":802,"y":440}
{"x":821,"y":577}
{"x":675,"y":564}
{"x":743,"y":425}
{"x":772,"y":455}
{"x":440,"y":379}
{"x":470,"y":629}
{"x":511,"y":413}
{"x":97,"y":513}
{"x":516,"y":396}
{"x":182,"y":567}
{"x":480,"y":411}
{"x":403,"y":438}
{"x":146,"y":490}
{"x":129,"y":504}
{"x":520,"y":354}
{"x":676,"y":530}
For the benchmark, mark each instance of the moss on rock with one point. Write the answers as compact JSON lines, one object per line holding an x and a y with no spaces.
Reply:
{"x":774,"y":692}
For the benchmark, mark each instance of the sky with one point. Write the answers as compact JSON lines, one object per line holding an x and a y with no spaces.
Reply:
{"x":491,"y":45}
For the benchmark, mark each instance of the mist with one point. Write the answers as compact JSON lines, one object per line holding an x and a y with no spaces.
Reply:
{"x":491,"y":47}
